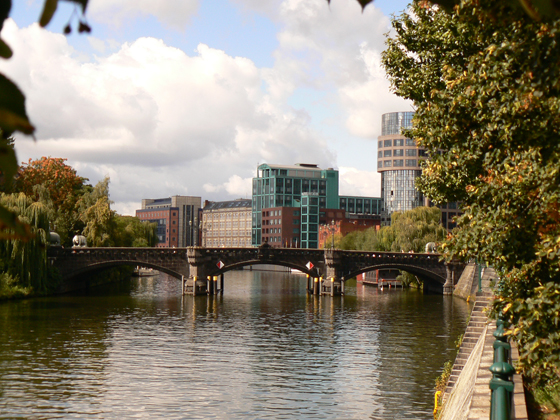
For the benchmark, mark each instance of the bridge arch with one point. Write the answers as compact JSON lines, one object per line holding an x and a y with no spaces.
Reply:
{"x":312,"y":273}
{"x":105,"y":265}
{"x":416,"y":270}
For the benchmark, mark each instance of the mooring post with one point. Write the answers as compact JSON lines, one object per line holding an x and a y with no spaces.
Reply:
{"x":222,"y":283}
{"x":215,"y":287}
{"x":332,"y":286}
{"x":342,"y":285}
{"x":315,"y":286}
{"x":184,"y":286}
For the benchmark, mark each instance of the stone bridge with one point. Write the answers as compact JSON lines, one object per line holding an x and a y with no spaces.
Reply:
{"x":200,"y":267}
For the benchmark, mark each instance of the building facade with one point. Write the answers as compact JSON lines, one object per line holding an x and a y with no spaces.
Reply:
{"x":291,"y":202}
{"x":177,"y":218}
{"x":399,"y":162}
{"x":226,"y":223}
{"x":279,"y":186}
{"x":342,"y":223}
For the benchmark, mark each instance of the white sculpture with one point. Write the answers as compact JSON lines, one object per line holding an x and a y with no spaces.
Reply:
{"x":79,"y":241}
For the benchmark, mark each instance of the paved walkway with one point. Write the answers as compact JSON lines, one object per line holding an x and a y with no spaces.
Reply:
{"x":468,"y":393}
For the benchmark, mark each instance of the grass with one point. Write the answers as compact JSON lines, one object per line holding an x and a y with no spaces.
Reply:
{"x":543,"y":403}
{"x":441,"y":383}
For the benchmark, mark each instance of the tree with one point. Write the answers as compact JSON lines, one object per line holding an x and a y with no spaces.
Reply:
{"x":26,"y":261}
{"x":486,"y":87}
{"x":409,"y":231}
{"x":58,"y":186}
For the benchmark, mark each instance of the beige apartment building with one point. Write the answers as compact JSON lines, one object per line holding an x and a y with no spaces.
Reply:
{"x":226,"y":223}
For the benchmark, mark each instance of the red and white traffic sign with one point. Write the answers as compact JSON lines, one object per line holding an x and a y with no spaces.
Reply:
{"x":220,"y":264}
{"x":309,"y":265}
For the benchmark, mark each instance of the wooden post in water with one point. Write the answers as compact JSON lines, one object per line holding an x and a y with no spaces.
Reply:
{"x":222,"y":283}
{"x":215,"y":287}
{"x":332,"y":286}
{"x":184,"y":286}
{"x":342,"y":286}
{"x":208,"y":285}
{"x":315,"y":286}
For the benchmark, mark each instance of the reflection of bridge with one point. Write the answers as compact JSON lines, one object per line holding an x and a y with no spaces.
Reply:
{"x":200,"y":267}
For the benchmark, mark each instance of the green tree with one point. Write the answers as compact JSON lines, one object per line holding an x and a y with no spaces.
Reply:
{"x":131,"y":231}
{"x":58,"y":186}
{"x":24,"y":262}
{"x":486,"y":88}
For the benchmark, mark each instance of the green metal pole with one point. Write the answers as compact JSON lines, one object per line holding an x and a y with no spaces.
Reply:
{"x":479,"y":276}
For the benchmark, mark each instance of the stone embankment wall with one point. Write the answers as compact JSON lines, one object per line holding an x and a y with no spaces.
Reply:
{"x":467,"y":395}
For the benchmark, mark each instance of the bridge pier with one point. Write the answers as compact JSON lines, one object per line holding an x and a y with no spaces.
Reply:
{"x":332,"y":287}
{"x":449,"y":285}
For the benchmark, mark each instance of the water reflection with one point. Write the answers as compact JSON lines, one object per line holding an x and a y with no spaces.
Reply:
{"x":265,"y":349}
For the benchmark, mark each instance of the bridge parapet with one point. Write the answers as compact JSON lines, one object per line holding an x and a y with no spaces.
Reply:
{"x":201,"y":263}
{"x":72,"y":262}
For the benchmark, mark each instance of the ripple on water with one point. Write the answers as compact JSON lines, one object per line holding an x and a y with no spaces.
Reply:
{"x":264,"y":350}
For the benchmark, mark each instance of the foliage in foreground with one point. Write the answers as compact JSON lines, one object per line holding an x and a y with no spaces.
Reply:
{"x":486,"y":87}
{"x":24,"y":263}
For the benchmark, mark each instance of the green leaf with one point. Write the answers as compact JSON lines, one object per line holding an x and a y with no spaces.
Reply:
{"x":82,"y":3}
{"x":5,"y":50}
{"x":48,"y":11}
{"x":12,"y":109}
{"x":8,"y":162}
{"x":5,"y":7}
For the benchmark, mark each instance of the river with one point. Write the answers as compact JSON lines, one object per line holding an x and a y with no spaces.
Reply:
{"x":265,"y":350}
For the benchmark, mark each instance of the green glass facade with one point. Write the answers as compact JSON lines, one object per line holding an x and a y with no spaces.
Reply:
{"x":285,"y":185}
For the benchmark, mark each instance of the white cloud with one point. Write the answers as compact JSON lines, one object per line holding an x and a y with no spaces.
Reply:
{"x":158,"y":121}
{"x":360,"y":183}
{"x":337,"y":47}
{"x":174,"y":13}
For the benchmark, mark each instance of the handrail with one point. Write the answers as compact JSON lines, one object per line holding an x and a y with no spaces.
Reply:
{"x":501,"y":383}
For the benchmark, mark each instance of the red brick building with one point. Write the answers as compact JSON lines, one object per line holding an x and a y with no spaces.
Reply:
{"x":342,"y":223}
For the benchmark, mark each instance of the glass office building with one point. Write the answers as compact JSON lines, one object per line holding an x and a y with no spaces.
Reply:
{"x":398,"y":161}
{"x":282,"y":186}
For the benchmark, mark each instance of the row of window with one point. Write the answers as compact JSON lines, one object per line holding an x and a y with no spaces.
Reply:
{"x":272,"y":213}
{"x":219,"y":233}
{"x":398,"y":152}
{"x":397,"y":163}
{"x":228,"y":242}
{"x":273,"y":230}
{"x":395,"y":143}
{"x":226,"y":216}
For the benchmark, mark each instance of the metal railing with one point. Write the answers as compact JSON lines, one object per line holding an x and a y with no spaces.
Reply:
{"x":501,"y":384}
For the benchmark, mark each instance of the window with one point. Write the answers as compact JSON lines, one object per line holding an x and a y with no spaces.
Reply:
{"x":387,"y":143}
{"x":398,"y":142}
{"x":379,"y":154}
{"x":387,"y":164}
{"x":422,"y":152}
{"x":410,"y":142}
{"x":410,"y":162}
{"x":410,"y":152}
{"x":387,"y":153}
{"x":380,"y":144}
{"x":398,"y":152}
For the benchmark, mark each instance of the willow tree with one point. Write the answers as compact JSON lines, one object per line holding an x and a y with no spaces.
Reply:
{"x":486,"y":83}
{"x":26,"y":260}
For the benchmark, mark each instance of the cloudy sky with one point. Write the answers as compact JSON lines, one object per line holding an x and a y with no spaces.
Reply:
{"x":187,"y":97}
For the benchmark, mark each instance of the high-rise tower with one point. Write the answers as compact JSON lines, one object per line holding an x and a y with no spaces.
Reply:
{"x":398,"y":161}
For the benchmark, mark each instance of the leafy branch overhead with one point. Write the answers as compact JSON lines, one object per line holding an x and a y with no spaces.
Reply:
{"x":13,"y":115}
{"x":536,"y":9}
